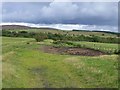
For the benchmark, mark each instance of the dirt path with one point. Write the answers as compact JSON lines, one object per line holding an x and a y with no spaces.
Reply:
{"x":71,"y":51}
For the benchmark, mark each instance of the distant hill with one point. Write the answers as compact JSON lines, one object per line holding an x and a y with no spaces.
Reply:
{"x":109,"y":32}
{"x":12,"y":27}
{"x":53,"y":30}
{"x":9,"y":27}
{"x":81,"y":30}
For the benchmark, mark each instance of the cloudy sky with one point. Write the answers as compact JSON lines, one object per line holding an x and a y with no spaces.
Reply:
{"x":63,"y":15}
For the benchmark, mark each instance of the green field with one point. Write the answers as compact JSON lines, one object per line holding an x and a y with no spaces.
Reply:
{"x":26,"y":66}
{"x":87,"y":33}
{"x":104,"y":47}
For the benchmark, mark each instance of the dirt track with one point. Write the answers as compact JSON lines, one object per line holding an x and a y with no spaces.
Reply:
{"x":71,"y":51}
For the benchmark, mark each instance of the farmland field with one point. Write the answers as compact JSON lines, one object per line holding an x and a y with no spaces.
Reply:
{"x":87,"y":33}
{"x":25,"y":65}
{"x":61,"y":45}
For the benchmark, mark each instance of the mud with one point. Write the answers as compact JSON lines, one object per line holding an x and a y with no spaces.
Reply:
{"x":71,"y":51}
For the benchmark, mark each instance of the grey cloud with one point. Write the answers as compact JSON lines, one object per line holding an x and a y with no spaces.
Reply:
{"x":64,"y":13}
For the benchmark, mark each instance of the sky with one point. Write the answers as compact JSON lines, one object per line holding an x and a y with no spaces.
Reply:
{"x":63,"y":15}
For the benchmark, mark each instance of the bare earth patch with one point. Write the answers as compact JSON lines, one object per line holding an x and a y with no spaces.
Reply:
{"x":71,"y":51}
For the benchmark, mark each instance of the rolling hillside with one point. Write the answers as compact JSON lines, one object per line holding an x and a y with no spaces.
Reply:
{"x":53,"y":30}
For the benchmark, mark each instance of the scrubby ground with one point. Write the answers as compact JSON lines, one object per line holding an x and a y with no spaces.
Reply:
{"x":24,"y":66}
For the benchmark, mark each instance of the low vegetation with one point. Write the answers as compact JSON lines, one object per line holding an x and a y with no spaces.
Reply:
{"x":57,"y":36}
{"x":107,"y":48}
{"x":25,"y":65}
{"x":33,"y":58}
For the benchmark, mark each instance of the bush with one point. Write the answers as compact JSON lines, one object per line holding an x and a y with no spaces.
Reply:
{"x":62,"y":37}
{"x":40,"y":37}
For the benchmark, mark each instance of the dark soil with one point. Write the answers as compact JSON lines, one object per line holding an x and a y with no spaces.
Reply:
{"x":71,"y":51}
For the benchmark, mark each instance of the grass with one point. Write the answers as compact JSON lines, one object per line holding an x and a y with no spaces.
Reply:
{"x":105,"y":47}
{"x":0,"y":63}
{"x":26,"y":66}
{"x":102,"y":34}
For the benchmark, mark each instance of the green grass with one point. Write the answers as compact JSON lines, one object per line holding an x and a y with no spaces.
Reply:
{"x":102,"y":34}
{"x":0,"y":63}
{"x":105,"y":47}
{"x":26,"y":66}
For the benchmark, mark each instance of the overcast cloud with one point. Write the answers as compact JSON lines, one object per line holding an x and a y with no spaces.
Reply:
{"x":95,"y":15}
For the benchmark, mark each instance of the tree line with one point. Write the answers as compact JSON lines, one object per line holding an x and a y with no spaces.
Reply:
{"x":57,"y":36}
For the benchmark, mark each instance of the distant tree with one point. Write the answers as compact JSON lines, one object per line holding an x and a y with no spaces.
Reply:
{"x":103,"y":34}
{"x":40,"y":37}
{"x":24,"y":32}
